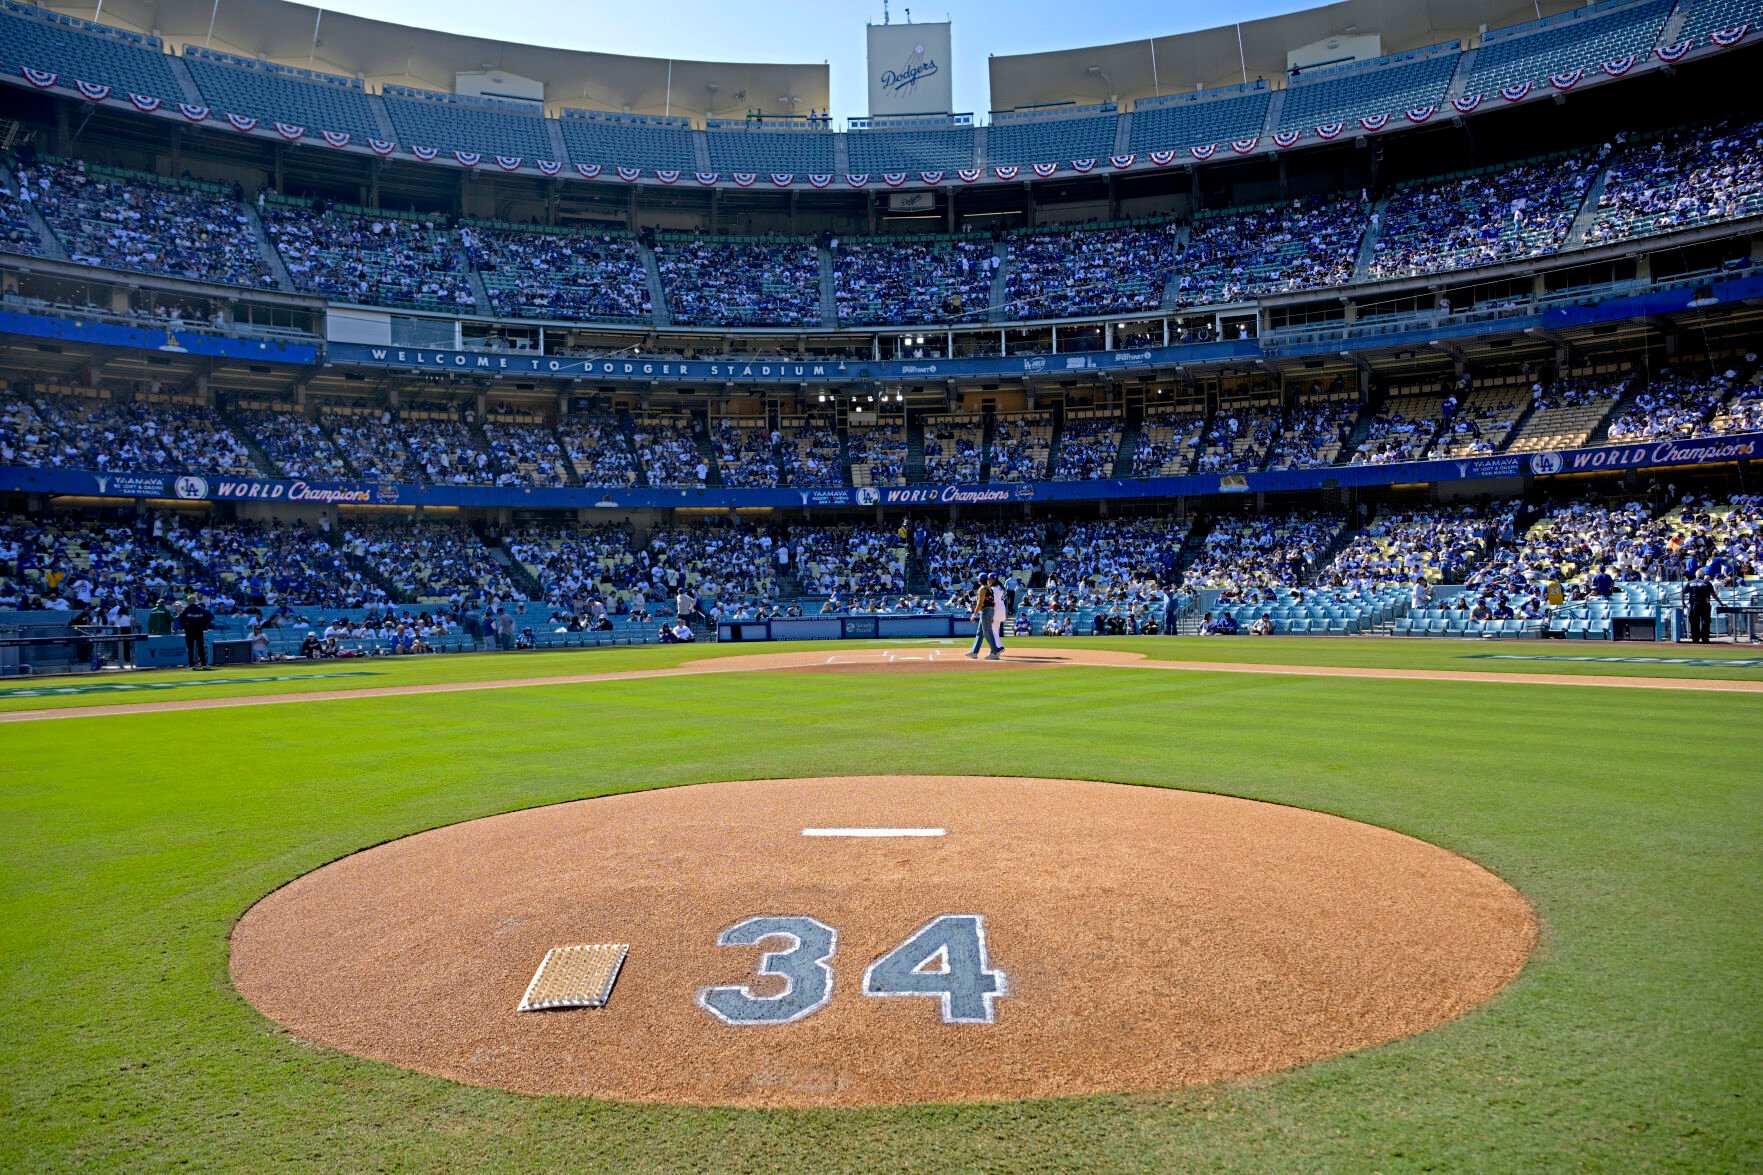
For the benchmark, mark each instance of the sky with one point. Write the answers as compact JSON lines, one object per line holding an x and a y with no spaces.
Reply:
{"x":831,"y":31}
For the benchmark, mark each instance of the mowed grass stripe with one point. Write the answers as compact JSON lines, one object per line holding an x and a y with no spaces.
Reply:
{"x":132,"y":844}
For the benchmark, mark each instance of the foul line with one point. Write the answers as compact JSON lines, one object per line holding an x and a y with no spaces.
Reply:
{"x":874,"y":832}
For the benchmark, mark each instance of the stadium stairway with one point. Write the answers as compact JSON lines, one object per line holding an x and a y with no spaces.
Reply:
{"x":1129,"y":443}
{"x":518,"y":574}
{"x":367,"y":570}
{"x":841,"y":156}
{"x":1673,"y":29}
{"x":1172,"y":283}
{"x":478,"y":289}
{"x":266,"y":250}
{"x":1123,"y":134}
{"x":1460,"y":80}
{"x":1276,"y":110}
{"x":1368,"y":243}
{"x":701,"y":152}
{"x":1518,"y":424}
{"x":47,"y":240}
{"x":914,"y":468}
{"x":259,"y":458}
{"x":554,"y":136}
{"x":657,"y":292}
{"x":706,"y":450}
{"x":997,"y":304}
{"x":1588,"y":209}
{"x":181,"y":74}
{"x":628,"y":427}
{"x":571,"y":474}
{"x":1600,"y":433}
{"x":829,"y":299}
{"x":981,"y":146}
{"x":475,"y":427}
{"x":988,"y":430}
{"x":1054,"y":440}
{"x":382,"y":118}
{"x":342,"y":453}
{"x":845,"y":456}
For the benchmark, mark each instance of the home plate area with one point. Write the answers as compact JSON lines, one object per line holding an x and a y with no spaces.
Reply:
{"x":880,"y":939}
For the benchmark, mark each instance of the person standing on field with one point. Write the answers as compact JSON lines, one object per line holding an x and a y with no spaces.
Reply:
{"x":984,"y":600}
{"x":196,"y":620}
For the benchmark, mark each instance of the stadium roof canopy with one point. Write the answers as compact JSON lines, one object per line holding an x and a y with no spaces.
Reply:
{"x":1207,"y":58}
{"x":379,"y":52}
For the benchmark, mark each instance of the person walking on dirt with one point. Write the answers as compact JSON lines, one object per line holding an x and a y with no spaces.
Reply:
{"x":985,"y":599}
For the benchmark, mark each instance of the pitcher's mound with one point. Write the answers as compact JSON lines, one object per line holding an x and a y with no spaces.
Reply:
{"x":1038,"y":938}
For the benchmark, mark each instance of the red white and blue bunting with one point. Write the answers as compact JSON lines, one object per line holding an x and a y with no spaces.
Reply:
{"x":1621,"y":65}
{"x":145,"y":103}
{"x":893,"y":178}
{"x":468,"y":158}
{"x":588,"y":171}
{"x":819,"y":181}
{"x":548,"y":166}
{"x":336,"y":138}
{"x":1373,"y":122}
{"x":707,"y":178}
{"x":667,"y":175}
{"x":194,"y":112}
{"x":743,"y":179}
{"x":1671,"y":53}
{"x":1727,"y":38}
{"x":1284,"y":139}
{"x":782,"y":179}
{"x":1568,"y":80}
{"x":1044,"y":169}
{"x":1085,"y":166}
{"x":1466,"y":103}
{"x":858,"y":179}
{"x":1007,"y":172}
{"x":509,"y":162}
{"x":91,"y":91}
{"x":1515,"y":92}
{"x":1157,"y":158}
{"x":933,"y":178}
{"x":1121,"y":162}
{"x":1421,"y":113}
{"x":1204,"y":153}
{"x":41,"y":78}
{"x":968,"y":175}
{"x":381,"y":146}
{"x":426,"y":154}
{"x":241,"y":122}
{"x":1244,"y":146}
{"x":1330,"y":130}
{"x":630,"y":174}
{"x":290,"y":132}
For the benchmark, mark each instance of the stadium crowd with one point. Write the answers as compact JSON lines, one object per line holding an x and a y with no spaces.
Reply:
{"x":740,"y":283}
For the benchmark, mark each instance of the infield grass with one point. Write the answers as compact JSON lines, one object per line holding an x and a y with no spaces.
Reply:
{"x":1632,"y":819}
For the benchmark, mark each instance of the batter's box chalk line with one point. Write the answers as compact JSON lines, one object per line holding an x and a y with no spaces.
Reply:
{"x":579,"y":976}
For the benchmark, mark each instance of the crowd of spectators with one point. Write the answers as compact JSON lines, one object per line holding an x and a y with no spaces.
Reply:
{"x":1169,"y":440}
{"x":431,"y":561}
{"x":578,"y":565}
{"x":1682,"y":179}
{"x":370,"y":258}
{"x":598,"y":450}
{"x":1093,"y":271}
{"x":1239,"y":438}
{"x":1088,"y":448}
{"x":731,"y":283}
{"x":560,"y":274}
{"x":1439,"y":545}
{"x":907,"y":282}
{"x":1402,"y":430}
{"x":1743,"y":412}
{"x":18,"y":231}
{"x":1310,"y":242}
{"x":1314,"y":433}
{"x":964,"y":550}
{"x":108,"y":435}
{"x":1480,"y":219}
{"x":69,"y":563}
{"x":718,"y":560}
{"x":1263,"y":552}
{"x":297,"y":446}
{"x":1674,"y":404}
{"x":808,"y":456}
{"x":528,"y":452}
{"x":952,"y":448}
{"x":850,"y":565}
{"x":1018,"y":451}
{"x":1127,"y":563}
{"x":240,"y":563}
{"x":373,"y":443}
{"x":878,"y":454}
{"x":670,"y":456}
{"x":746,"y":453}
{"x":146,"y":225}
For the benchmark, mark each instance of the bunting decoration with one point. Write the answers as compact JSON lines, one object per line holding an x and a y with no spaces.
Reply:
{"x":744,"y":179}
{"x":548,"y":166}
{"x":1330,"y":130}
{"x":782,"y":179}
{"x":1621,"y":65}
{"x":509,"y":162}
{"x":588,"y":171}
{"x":1244,"y":146}
{"x":1374,"y":122}
{"x":1284,"y":139}
{"x":468,"y":158}
{"x":381,"y":146}
{"x":1515,"y":93}
{"x":1085,"y":166}
{"x":819,"y":181}
{"x":1203,"y":153}
{"x":707,"y":178}
{"x":667,"y":175}
{"x":1726,"y":38}
{"x":967,"y":175}
{"x":1421,"y":113}
{"x":1568,"y":80}
{"x":1671,"y":53}
{"x":1044,"y":169}
{"x":858,"y":180}
{"x":933,"y":178}
{"x":629,"y":174}
{"x":1007,"y":172}
{"x":289,"y":131}
{"x":1466,"y":103}
{"x":1121,"y":162}
{"x":40,"y":78}
{"x":241,"y":122}
{"x":426,"y":154}
{"x":1157,"y":158}
{"x":336,"y":138}
{"x":92,"y":91}
{"x":146,"y":104}
{"x":893,"y":178}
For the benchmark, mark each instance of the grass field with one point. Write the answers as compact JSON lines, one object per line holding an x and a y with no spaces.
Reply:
{"x":1633,"y":819}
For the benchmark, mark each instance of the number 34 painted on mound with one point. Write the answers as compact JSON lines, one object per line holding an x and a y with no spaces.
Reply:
{"x":945,"y":959}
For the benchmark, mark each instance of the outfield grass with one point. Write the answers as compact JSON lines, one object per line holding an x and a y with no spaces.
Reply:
{"x":1633,"y":820}
{"x":1554,"y":657}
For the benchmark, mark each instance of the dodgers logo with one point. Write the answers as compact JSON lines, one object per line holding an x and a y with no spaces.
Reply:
{"x":905,"y":79}
{"x":1544,"y":464}
{"x":868,"y":496}
{"x":190,"y":486}
{"x":1034,"y":365}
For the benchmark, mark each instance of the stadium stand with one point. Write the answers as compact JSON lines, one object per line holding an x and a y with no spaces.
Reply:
{"x":1305,"y":244}
{"x":526,"y":449}
{"x":745,"y":451}
{"x":1240,"y":437}
{"x":724,"y":281}
{"x":953,"y":448}
{"x":154,"y":432}
{"x":613,"y":140}
{"x":911,"y":149}
{"x":64,"y":562}
{"x":454,"y":122}
{"x":96,"y":53}
{"x":878,"y":452}
{"x":769,"y":148}
{"x":1059,"y":272}
{"x":299,"y":447}
{"x":598,"y":449}
{"x":1201,"y":119}
{"x":1479,"y":218}
{"x":1057,"y":136}
{"x":537,"y":272}
{"x":1314,"y":430}
{"x":903,"y":281}
{"x":1565,"y":413}
{"x":1402,"y":429}
{"x":1414,"y":80}
{"x":1684,"y":179}
{"x":1251,"y":555}
{"x":1089,"y":445}
{"x":370,"y":256}
{"x":1019,"y":446}
{"x":1554,"y":45}
{"x":232,"y":564}
{"x":1169,"y":442}
{"x":809,"y":453}
{"x":429,"y":562}
{"x":275,"y":93}
{"x":669,"y":454}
